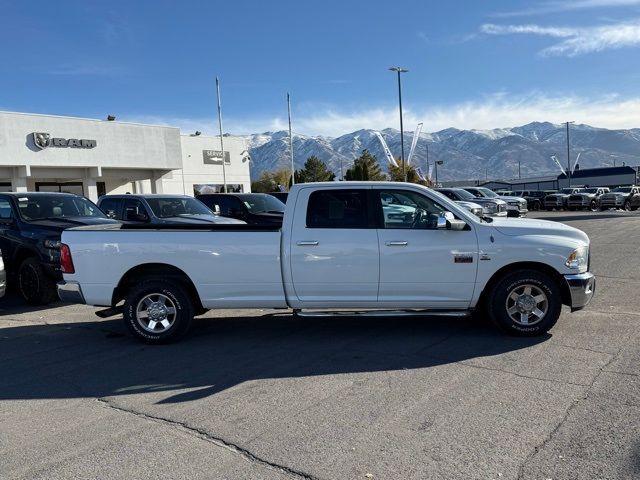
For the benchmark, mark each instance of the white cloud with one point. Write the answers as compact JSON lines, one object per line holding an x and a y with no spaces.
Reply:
{"x":567,"y":6}
{"x":493,"y":111}
{"x":577,"y":40}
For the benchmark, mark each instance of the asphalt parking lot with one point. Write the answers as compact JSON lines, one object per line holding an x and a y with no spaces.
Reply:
{"x":263,"y":395}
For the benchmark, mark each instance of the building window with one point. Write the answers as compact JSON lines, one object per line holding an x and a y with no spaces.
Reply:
{"x":202,"y":189}
{"x":5,"y":187}
{"x":67,"y":187}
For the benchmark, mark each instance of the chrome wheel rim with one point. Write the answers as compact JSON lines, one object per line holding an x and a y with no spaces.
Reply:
{"x":527,"y":305}
{"x":156,"y":313}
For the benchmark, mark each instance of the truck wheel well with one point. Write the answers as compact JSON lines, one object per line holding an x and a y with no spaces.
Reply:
{"x":20,"y":256}
{"x":538,"y":267}
{"x":156,"y":271}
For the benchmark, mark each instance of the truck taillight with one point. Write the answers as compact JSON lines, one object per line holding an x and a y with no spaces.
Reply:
{"x":66,"y":262}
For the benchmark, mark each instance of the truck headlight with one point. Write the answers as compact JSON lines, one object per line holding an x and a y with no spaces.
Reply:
{"x":578,"y":259}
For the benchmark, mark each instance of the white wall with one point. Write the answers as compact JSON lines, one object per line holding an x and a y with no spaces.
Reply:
{"x":119,"y":145}
{"x":195,"y":171}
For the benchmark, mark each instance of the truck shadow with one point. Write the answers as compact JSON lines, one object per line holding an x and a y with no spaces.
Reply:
{"x":13,"y":304}
{"x":99,"y":359}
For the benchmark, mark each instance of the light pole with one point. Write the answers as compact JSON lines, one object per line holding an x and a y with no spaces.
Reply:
{"x":293,"y":168}
{"x":427,"y":144}
{"x":224,"y":171}
{"x":568,"y":157}
{"x":614,"y":159}
{"x":400,"y":70}
{"x":436,"y":163}
{"x":519,"y":175}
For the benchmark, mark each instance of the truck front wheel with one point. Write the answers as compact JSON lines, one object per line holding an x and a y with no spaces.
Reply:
{"x":158,"y":311}
{"x":525,"y":303}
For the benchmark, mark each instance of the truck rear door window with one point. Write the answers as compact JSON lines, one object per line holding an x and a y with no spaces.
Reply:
{"x":337,"y":208}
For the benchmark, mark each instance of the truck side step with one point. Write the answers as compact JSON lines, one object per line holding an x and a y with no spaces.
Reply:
{"x":383,"y":313}
{"x":109,"y":312}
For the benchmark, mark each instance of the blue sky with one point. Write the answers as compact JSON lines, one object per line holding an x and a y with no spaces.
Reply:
{"x":473,"y":64}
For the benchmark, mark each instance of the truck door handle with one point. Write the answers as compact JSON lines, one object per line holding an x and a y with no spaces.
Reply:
{"x":396,"y":244}
{"x":311,"y":243}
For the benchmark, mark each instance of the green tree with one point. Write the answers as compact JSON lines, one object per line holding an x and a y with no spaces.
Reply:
{"x":269,"y":181}
{"x":365,"y":167}
{"x":314,"y":170}
{"x":395,"y":173}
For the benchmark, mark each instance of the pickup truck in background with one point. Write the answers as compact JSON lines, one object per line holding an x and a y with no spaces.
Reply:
{"x":626,"y":198}
{"x":337,"y":250}
{"x":30,"y":228}
{"x":588,"y":199}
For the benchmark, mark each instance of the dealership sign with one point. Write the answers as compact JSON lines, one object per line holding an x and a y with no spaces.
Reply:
{"x":43,"y":140}
{"x":214,"y":157}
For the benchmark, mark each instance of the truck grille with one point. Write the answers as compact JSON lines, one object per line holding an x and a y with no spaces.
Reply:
{"x":576,"y":198}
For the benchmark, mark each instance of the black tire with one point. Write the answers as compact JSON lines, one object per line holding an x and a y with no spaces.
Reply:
{"x":517,"y":283}
{"x":35,"y":286}
{"x":627,"y":206}
{"x":633,"y":209}
{"x":593,"y":206}
{"x":158,"y":292}
{"x":549,"y":209}
{"x":535,"y":206}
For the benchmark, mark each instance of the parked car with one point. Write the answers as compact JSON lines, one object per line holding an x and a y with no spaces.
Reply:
{"x":159,"y":209}
{"x":282,"y":196}
{"x":490,"y":208}
{"x":534,"y":198}
{"x":30,"y":229}
{"x":588,"y":198}
{"x":516,"y":206}
{"x":559,"y":199}
{"x":335,"y":251}
{"x":253,"y":208}
{"x":627,"y":198}
{"x":3,"y":277}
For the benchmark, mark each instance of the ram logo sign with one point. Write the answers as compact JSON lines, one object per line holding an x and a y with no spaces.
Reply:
{"x":43,"y":140}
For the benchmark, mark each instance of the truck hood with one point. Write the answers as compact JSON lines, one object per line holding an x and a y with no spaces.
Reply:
{"x":526,"y":226}
{"x":62,"y":223}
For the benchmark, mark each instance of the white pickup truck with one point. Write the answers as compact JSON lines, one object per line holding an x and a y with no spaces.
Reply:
{"x":337,"y":250}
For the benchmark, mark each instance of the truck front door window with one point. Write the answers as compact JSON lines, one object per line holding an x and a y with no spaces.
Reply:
{"x":406,"y":209}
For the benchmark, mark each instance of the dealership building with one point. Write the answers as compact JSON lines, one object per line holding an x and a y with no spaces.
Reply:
{"x":97,"y":157}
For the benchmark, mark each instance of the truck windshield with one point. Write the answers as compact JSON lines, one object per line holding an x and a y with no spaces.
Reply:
{"x":622,"y":189}
{"x":262,"y":203}
{"x":463,"y":194}
{"x":591,"y":190}
{"x":487,"y":193}
{"x":53,"y":206}
{"x":165,"y":207}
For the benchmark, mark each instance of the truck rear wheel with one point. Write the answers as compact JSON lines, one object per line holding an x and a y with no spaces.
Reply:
{"x":36,"y":287}
{"x":158,"y":311}
{"x":525,"y":303}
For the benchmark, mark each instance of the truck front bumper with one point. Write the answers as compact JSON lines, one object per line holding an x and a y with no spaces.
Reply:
{"x":70,"y":292}
{"x":581,"y":287}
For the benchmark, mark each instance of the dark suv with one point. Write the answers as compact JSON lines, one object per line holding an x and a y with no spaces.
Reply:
{"x":253,"y":208}
{"x":159,"y":209}
{"x":31,"y":225}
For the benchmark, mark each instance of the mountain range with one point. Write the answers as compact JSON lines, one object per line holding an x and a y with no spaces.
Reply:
{"x":467,"y":154}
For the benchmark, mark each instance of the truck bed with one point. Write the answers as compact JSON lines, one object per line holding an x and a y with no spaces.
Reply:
{"x":231,"y":266}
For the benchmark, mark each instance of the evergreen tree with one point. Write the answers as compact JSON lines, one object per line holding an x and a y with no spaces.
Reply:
{"x":365,"y":167}
{"x":270,"y":181}
{"x":412,"y":175}
{"x":314,"y":170}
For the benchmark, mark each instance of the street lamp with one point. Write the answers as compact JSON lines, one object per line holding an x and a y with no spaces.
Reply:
{"x":614,"y":159}
{"x":436,"y":163}
{"x":400,"y":70}
{"x":568,"y":158}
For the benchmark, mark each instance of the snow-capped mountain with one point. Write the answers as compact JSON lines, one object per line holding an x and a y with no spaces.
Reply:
{"x":467,"y":154}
